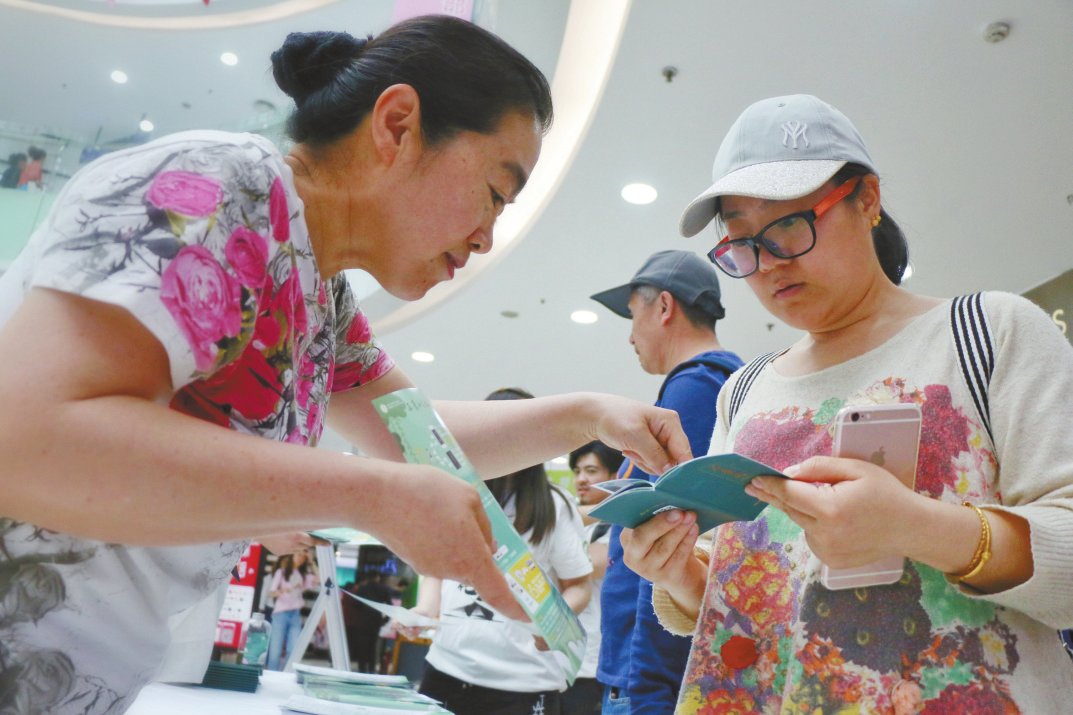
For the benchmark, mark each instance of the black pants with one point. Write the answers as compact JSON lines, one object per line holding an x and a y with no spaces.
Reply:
{"x":463,"y":698}
{"x":584,"y":697}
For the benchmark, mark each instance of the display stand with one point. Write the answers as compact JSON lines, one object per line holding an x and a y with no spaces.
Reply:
{"x":327,"y":602}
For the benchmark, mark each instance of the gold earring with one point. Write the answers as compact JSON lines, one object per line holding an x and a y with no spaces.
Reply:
{"x":875,"y":220}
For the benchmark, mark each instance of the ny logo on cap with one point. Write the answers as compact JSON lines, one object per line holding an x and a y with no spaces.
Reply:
{"x":792,"y":131}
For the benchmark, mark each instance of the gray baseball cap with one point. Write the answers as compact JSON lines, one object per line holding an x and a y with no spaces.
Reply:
{"x":683,"y":274}
{"x":779,"y":148}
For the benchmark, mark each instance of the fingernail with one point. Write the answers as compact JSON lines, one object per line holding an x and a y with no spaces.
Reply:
{"x":674,"y":516}
{"x":791,"y":471}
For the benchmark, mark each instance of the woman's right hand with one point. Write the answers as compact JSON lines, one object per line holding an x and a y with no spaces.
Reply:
{"x":415,"y":632}
{"x":661,"y":551}
{"x":435,"y":522}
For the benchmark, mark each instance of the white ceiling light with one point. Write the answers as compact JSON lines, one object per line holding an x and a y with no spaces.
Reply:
{"x":229,"y":58}
{"x":585,"y":317}
{"x":421,"y":356}
{"x":119,"y":76}
{"x":145,"y":125}
{"x":560,"y":460}
{"x":639,"y":194}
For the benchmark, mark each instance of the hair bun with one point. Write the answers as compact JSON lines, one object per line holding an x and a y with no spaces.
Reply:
{"x":308,"y":61}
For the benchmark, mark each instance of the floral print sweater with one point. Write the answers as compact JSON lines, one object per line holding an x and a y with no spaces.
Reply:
{"x":201,"y":237}
{"x":772,"y":639}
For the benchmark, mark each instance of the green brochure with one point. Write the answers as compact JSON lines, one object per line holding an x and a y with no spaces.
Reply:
{"x":425,"y":440}
{"x":713,"y":486}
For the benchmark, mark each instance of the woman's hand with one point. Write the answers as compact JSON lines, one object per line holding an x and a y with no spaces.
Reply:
{"x":435,"y":522}
{"x":650,"y":436}
{"x":416,"y":632}
{"x":853,"y":512}
{"x":290,"y":543}
{"x":661,"y":551}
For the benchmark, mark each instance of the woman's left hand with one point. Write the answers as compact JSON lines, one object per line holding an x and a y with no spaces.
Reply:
{"x":853,"y":512}
{"x":651,"y":437}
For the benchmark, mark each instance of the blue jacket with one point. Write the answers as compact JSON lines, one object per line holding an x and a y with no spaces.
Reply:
{"x":637,"y":656}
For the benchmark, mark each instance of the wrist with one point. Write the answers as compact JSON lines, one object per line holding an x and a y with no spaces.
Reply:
{"x":688,"y":593}
{"x":944,"y":536}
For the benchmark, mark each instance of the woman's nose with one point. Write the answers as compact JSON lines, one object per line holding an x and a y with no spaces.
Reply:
{"x":481,"y":240}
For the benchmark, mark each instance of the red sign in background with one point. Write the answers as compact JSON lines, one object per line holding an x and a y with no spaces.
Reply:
{"x":238,"y":604}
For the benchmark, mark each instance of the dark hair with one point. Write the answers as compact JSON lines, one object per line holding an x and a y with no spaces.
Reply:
{"x":286,"y":562}
{"x":891,"y":247}
{"x":697,"y":316}
{"x":610,"y":458}
{"x":16,"y":158}
{"x":466,"y":77}
{"x":533,"y":505}
{"x":36,"y":153}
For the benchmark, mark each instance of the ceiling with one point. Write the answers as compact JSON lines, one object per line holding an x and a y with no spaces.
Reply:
{"x":974,"y":141}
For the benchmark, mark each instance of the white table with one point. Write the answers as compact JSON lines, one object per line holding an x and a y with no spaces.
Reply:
{"x":163,"y":699}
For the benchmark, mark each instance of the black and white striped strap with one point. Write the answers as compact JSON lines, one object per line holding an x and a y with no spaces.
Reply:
{"x":749,"y":373}
{"x":972,"y":341}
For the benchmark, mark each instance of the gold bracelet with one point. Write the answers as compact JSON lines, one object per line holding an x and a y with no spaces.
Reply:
{"x":983,"y":548}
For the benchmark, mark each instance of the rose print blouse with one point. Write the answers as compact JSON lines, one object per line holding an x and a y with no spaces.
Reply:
{"x":201,"y":236}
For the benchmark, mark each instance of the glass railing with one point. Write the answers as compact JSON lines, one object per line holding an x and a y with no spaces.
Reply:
{"x":23,"y":208}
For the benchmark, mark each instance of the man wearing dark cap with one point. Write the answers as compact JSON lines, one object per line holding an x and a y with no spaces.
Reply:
{"x":673,"y":302}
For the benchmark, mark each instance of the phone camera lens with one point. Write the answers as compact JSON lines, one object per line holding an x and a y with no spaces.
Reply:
{"x":855,"y":417}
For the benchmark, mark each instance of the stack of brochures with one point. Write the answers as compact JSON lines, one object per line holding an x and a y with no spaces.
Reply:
{"x":232,"y":676}
{"x":326,"y":691}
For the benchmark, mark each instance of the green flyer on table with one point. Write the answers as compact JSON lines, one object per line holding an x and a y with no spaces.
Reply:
{"x":424,"y":439}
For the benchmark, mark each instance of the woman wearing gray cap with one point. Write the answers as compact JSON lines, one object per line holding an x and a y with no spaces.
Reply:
{"x":970,"y":624}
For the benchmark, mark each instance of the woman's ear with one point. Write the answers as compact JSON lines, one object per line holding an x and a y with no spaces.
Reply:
{"x":868,"y":196}
{"x":396,"y":122}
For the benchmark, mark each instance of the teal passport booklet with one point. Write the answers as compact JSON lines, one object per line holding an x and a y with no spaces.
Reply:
{"x":713,"y":486}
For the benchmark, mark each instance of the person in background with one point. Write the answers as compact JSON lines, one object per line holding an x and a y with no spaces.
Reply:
{"x":481,"y":663}
{"x":180,"y":319}
{"x":970,"y":627}
{"x":364,"y":636}
{"x":15,"y":164}
{"x":673,"y":303}
{"x":591,"y":463}
{"x":33,"y":171}
{"x":293,"y":576}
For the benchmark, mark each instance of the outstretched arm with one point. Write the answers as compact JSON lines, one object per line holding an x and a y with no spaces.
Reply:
{"x":95,"y":451}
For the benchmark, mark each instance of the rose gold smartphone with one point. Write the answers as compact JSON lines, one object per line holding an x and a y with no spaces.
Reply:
{"x":887,"y":436}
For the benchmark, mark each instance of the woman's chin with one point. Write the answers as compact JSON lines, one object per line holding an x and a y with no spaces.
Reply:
{"x":408,"y":291}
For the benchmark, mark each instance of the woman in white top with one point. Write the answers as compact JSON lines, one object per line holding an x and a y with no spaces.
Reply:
{"x":481,"y":663}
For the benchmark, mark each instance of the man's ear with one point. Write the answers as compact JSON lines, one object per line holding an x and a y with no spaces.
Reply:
{"x":396,"y":122}
{"x":667,"y":307}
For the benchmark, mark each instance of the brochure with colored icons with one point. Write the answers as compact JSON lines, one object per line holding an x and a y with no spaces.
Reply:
{"x":424,"y":439}
{"x":712,"y":486}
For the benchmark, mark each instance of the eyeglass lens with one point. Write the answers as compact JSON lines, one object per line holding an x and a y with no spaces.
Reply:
{"x":788,"y":237}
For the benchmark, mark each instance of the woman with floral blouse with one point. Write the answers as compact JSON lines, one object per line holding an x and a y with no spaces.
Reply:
{"x":172,"y":333}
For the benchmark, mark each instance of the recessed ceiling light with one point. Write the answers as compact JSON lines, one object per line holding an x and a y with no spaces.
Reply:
{"x":229,"y":58}
{"x":639,"y":194}
{"x":421,"y":356}
{"x":119,"y":76}
{"x":145,"y":125}
{"x":585,"y":317}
